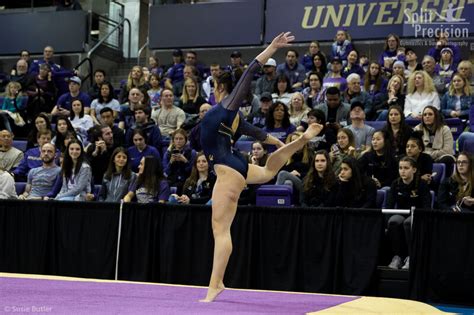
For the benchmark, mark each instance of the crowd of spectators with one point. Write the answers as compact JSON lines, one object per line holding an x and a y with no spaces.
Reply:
{"x":385,"y":123}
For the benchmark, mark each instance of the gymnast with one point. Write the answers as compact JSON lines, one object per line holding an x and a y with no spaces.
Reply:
{"x":219,"y":128}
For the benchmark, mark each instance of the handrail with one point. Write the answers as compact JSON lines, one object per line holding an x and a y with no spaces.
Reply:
{"x":91,"y":68}
{"x":141,"y":50}
{"x":89,"y":54}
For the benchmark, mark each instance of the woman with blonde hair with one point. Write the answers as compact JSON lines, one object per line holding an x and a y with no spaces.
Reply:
{"x":457,"y":101}
{"x":136,"y":79}
{"x":12,"y":105}
{"x":395,"y":96}
{"x":298,"y":109}
{"x":421,"y":92}
{"x":191,"y":99}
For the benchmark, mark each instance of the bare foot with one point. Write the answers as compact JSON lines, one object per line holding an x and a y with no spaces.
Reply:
{"x":313,"y":130}
{"x":212,"y":293}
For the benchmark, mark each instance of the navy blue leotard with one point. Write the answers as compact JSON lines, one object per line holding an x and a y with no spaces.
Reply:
{"x":224,"y":123}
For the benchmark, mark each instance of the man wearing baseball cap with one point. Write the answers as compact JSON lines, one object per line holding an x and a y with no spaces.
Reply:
{"x":362,"y":132}
{"x":64,"y":104}
{"x":258,"y":118}
{"x":266,"y":82}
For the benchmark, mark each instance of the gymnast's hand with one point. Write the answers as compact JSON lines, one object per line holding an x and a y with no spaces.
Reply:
{"x":282,"y":40}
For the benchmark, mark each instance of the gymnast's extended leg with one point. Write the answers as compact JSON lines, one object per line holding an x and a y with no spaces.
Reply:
{"x":227,"y":189}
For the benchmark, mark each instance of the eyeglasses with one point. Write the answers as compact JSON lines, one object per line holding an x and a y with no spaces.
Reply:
{"x":462,"y":162}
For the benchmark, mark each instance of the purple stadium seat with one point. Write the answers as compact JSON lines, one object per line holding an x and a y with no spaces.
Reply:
{"x":244,"y":146}
{"x":440,"y":169}
{"x":381,"y":198}
{"x":20,"y":187}
{"x":456,"y":125}
{"x":377,"y":125}
{"x":274,"y":195}
{"x":20,"y":145}
{"x":468,"y":146}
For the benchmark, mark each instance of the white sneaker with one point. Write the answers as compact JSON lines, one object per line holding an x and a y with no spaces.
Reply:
{"x":406,"y":263}
{"x":396,"y":262}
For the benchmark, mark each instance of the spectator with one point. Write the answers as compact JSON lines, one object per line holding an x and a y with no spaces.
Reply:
{"x":178,"y":159}
{"x":379,"y":163}
{"x":107,"y":118}
{"x":411,"y":61}
{"x":314,"y":93}
{"x":68,"y":5}
{"x":41,"y":93}
{"x":236,"y":62}
{"x":342,"y":46}
{"x":32,"y":157}
{"x":20,"y":74}
{"x":456,"y":192}
{"x":191,"y":100}
{"x":389,"y":54}
{"x":320,"y":184}
{"x":76,"y":174}
{"x":209,"y":83}
{"x":394,"y":97}
{"x":99,"y":151}
{"x":198,"y":186}
{"x":140,"y":149}
{"x":441,"y":43}
{"x":277,"y":122}
{"x":319,"y":65}
{"x":266,"y":82}
{"x":334,"y":78}
{"x":296,"y":168}
{"x":420,"y":93}
{"x":12,"y":106}
{"x":80,"y":121}
{"x":175,"y":77}
{"x":135,"y":79}
{"x":143,"y":121}
{"x":64,"y":104}
{"x":258,"y":118}
{"x":397,"y":129}
{"x":41,"y":179}
{"x":429,"y":66}
{"x":437,"y":138}
{"x":41,"y":123}
{"x":458,"y":100}
{"x":259,"y":154}
{"x":195,"y":133}
{"x":117,"y":178}
{"x":424,"y":162}
{"x":192,"y":60}
{"x":294,"y":71}
{"x":307,"y":60}
{"x":105,"y":99}
{"x":7,"y":185}
{"x":326,"y":138}
{"x":298,"y":109}
{"x":345,"y":147}
{"x":374,"y":83}
{"x":154,"y":66}
{"x":48,"y":54}
{"x":352,"y":65}
{"x":282,"y":90}
{"x":354,"y":190}
{"x":99,"y":79}
{"x":63,"y":126}
{"x":151,"y":184}
{"x":446,"y":64}
{"x":10,"y":157}
{"x":465,"y":69}
{"x":169,"y":117}
{"x":335,"y":111}
{"x":135,"y":98}
{"x":355,"y":94}
{"x":362,"y":133}
{"x":399,"y":69}
{"x":154,"y":93}
{"x":405,"y":192}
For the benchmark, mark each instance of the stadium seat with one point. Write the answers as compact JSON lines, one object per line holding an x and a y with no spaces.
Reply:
{"x":468,"y":146}
{"x":381,"y":198}
{"x":456,"y":125}
{"x":413,"y":122}
{"x":377,"y":125}
{"x":274,"y":195}
{"x":432,"y":193}
{"x":173,"y":190}
{"x":20,"y":187}
{"x":244,"y":146}
{"x":20,"y":145}
{"x":440,"y":170}
{"x":96,"y":191}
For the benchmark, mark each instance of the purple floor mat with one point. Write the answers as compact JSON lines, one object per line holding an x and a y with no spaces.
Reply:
{"x":79,"y":297}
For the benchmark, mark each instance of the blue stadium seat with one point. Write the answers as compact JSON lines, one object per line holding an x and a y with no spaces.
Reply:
{"x":20,"y":187}
{"x":173,"y":189}
{"x":456,"y":125}
{"x":440,"y":170}
{"x":381,"y":198}
{"x":468,"y":146}
{"x":274,"y":195}
{"x":413,"y":122}
{"x":20,"y":145}
{"x":244,"y":146}
{"x":96,"y":191}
